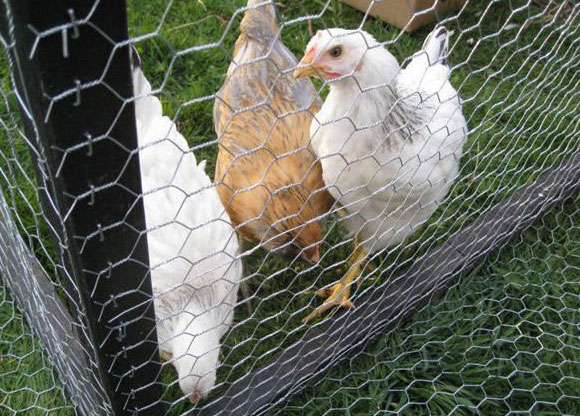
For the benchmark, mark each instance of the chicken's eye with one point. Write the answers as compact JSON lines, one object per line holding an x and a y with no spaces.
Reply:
{"x":335,"y":52}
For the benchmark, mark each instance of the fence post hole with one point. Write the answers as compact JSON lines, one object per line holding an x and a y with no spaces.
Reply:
{"x":72,"y":70}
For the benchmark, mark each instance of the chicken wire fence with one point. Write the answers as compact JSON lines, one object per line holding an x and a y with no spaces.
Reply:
{"x":121,"y":257}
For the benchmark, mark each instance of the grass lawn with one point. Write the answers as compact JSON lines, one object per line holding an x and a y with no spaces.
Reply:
{"x":28,"y":385}
{"x":504,"y":339}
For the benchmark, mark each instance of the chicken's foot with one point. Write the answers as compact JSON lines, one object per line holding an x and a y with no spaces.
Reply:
{"x":365,"y":264}
{"x":339,"y":293}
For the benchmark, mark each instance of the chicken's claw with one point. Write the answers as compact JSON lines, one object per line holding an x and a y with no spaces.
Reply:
{"x":337,"y":295}
{"x":324,"y":293}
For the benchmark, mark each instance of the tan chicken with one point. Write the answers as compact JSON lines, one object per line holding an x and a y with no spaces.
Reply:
{"x":268,"y":177}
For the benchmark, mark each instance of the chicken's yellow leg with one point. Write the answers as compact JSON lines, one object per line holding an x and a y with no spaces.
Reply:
{"x":339,"y":293}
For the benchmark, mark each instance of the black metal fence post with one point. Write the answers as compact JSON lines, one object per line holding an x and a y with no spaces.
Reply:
{"x":70,"y":61}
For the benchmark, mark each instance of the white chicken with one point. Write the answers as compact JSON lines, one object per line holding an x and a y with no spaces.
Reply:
{"x":193,"y":248}
{"x":389,"y":139}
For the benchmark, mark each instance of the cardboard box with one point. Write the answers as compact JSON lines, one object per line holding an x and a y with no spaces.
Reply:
{"x":409,"y":15}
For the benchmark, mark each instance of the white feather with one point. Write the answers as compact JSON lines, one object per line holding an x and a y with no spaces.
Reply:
{"x":192,"y":246}
{"x":389,"y":139}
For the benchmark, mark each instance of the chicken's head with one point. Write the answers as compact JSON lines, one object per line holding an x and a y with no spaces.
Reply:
{"x":337,"y":54}
{"x":196,"y":347}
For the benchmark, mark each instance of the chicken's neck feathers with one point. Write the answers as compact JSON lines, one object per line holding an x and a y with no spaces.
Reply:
{"x":182,"y":208}
{"x":261,"y":69}
{"x":370,"y":88}
{"x":377,"y":96}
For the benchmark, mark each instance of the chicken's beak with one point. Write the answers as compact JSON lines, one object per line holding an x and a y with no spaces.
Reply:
{"x":305,"y":67}
{"x":194,"y":398}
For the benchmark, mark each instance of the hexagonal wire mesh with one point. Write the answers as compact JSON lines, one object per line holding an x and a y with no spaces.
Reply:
{"x":503,"y":339}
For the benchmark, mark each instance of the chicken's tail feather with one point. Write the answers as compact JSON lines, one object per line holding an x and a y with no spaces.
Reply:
{"x":148,"y":109}
{"x":260,"y":19}
{"x":135,"y":58}
{"x":141,"y":87}
{"x":437,"y":46}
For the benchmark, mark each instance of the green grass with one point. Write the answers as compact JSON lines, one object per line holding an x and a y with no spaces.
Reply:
{"x":504,"y":339}
{"x":28,"y":385}
{"x":469,"y":351}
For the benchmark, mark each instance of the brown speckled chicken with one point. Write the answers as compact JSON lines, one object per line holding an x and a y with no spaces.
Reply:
{"x":268,"y":177}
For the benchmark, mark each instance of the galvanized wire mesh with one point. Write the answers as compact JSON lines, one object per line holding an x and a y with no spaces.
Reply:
{"x":502,"y":340}
{"x":34,"y":282}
